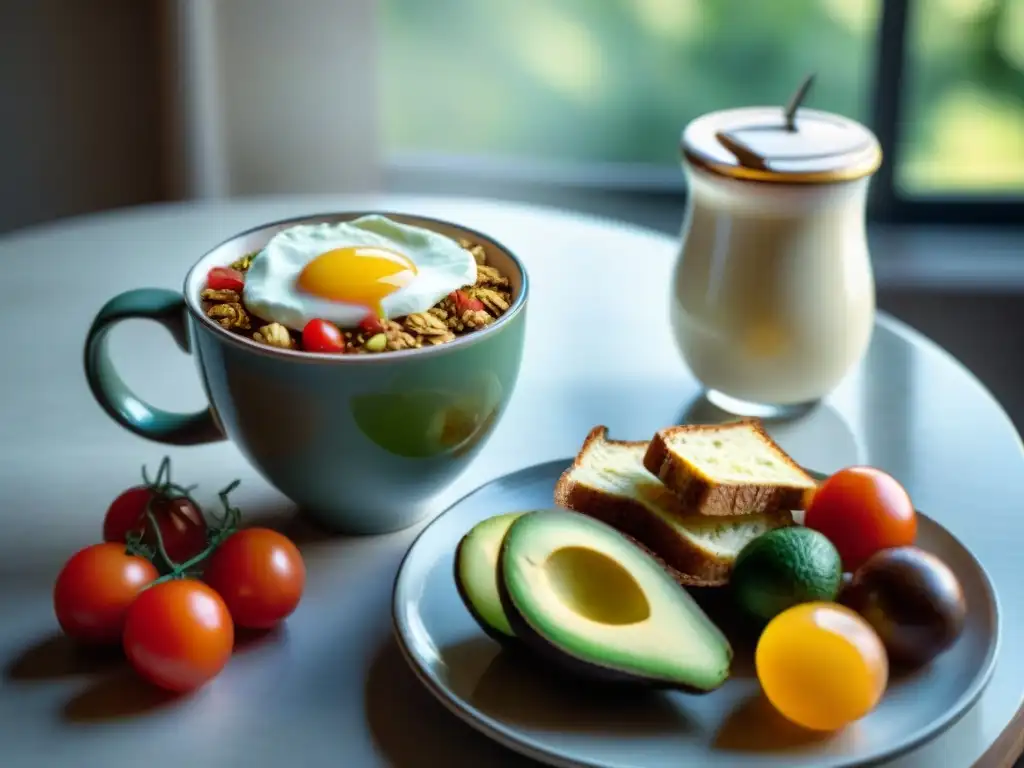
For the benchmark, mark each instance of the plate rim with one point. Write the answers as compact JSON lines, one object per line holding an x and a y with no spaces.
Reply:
{"x":506,"y":736}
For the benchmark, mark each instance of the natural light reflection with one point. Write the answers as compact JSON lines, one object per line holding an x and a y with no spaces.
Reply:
{"x":964,"y":119}
{"x":964,"y":10}
{"x":859,"y":18}
{"x":580,"y":81}
{"x":980,"y":136}
{"x":676,"y":20}
{"x":562,"y":53}
{"x":605,"y":82}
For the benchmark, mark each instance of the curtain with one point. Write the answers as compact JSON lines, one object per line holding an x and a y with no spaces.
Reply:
{"x":271,"y":96}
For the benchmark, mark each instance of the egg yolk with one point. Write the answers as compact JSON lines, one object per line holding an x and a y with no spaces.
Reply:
{"x":358,"y":274}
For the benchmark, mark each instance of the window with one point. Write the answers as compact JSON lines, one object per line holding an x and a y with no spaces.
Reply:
{"x":964,"y":91}
{"x":597,"y":93}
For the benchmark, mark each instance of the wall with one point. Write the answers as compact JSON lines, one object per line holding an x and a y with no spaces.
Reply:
{"x":79,"y":114}
{"x":108,"y":103}
{"x":271,"y":97}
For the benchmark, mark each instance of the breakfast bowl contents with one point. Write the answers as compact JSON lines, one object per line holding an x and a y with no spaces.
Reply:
{"x":364,"y":286}
{"x":359,"y":361}
{"x":601,"y":585}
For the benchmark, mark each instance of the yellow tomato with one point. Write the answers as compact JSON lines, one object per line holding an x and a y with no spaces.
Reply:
{"x":821,"y":665}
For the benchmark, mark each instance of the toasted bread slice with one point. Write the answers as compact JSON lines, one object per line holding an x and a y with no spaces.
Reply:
{"x":727,"y":469}
{"x":608,"y":481}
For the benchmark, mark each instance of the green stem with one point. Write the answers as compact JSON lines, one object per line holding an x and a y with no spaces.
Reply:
{"x":164,"y":486}
{"x":161,"y":550}
{"x":163,"y":474}
{"x":226,"y":525}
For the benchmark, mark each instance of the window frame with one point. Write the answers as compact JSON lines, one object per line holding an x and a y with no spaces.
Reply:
{"x":516,"y":178}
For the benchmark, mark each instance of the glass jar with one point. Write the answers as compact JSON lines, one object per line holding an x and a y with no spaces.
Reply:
{"x":773,"y":295}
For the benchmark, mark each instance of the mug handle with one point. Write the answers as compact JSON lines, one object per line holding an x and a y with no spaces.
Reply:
{"x":121,"y":404}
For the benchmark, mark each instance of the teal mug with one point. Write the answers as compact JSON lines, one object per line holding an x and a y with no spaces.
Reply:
{"x":361,"y":442}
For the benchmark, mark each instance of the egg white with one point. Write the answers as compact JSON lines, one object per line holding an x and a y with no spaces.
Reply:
{"x":271,"y":289}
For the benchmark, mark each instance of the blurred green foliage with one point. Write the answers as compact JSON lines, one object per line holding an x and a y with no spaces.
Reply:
{"x":964,"y":116}
{"x":616,"y":80}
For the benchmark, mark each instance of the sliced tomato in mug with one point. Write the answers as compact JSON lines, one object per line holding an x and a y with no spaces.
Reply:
{"x":465,"y":303}
{"x":371,"y":325}
{"x":225,"y":279}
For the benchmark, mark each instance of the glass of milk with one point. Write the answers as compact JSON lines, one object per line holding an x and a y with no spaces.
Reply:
{"x":773,"y":295}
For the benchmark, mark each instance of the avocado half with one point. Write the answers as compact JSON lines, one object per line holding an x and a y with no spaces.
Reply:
{"x":476,"y":574}
{"x":582,"y":596}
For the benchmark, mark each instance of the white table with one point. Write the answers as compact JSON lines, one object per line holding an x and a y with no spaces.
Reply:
{"x":332,"y":690}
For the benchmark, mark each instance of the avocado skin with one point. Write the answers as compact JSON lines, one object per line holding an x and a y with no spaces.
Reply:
{"x":499,"y":637}
{"x":783,"y":568}
{"x":567,"y":664}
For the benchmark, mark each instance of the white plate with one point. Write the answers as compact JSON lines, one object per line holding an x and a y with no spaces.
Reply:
{"x":514,"y":702}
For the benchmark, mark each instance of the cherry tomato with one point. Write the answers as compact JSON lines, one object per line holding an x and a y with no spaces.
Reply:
{"x":182,"y":526}
{"x":322,"y":336}
{"x":125,"y":513}
{"x":178,"y":634}
{"x":225,"y":279}
{"x":862,"y":510}
{"x":371,"y":325}
{"x":260,"y":574}
{"x":464,"y":302}
{"x":94,"y":590}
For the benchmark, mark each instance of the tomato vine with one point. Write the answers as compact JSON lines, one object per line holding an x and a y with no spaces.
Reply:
{"x":171,"y":582}
{"x":219,"y":529}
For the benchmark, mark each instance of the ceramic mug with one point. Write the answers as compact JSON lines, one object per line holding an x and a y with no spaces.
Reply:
{"x":361,"y":442}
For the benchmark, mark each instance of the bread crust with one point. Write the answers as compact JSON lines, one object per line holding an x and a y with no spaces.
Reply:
{"x":704,"y":495}
{"x":687,"y":563}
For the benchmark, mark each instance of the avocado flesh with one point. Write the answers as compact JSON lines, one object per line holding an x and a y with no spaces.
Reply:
{"x":585,"y":597}
{"x":476,"y":573}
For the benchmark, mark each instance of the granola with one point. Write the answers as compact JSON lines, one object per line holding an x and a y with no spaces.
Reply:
{"x":231,"y":315}
{"x":425,"y":324}
{"x":462,"y":312}
{"x":274,"y":335}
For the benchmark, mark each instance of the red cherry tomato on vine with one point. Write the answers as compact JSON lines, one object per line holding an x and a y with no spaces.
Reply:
{"x":94,"y":590}
{"x":322,"y":336}
{"x":178,"y":635}
{"x":125,"y":513}
{"x":182,"y":526}
{"x":260,"y":574}
{"x":862,"y":510}
{"x":225,"y":279}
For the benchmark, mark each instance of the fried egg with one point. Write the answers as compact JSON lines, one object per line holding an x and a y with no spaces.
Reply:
{"x":342,"y":272}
